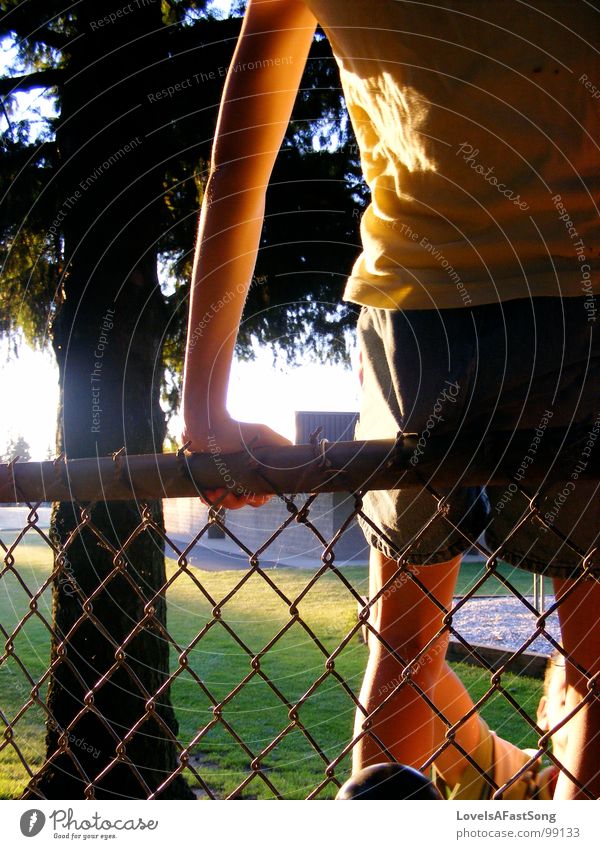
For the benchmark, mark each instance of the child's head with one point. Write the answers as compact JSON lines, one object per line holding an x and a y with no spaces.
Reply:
{"x":552,"y":709}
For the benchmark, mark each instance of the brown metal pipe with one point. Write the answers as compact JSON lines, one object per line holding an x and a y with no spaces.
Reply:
{"x":326,"y":467}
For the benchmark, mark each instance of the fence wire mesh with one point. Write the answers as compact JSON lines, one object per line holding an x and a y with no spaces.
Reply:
{"x":261,"y":709}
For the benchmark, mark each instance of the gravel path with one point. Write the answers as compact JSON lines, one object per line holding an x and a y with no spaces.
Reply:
{"x":503,"y":623}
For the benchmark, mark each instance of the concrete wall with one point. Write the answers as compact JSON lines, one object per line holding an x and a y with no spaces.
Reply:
{"x":184,"y":517}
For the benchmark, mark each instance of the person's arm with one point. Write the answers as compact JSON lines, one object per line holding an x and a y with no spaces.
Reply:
{"x":260,"y":90}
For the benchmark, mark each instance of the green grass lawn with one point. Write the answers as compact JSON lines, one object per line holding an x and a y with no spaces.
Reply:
{"x":522,"y":581}
{"x":292,"y":664}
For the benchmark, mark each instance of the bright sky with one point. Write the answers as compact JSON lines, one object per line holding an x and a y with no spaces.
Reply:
{"x":257,"y":392}
{"x":29,"y":392}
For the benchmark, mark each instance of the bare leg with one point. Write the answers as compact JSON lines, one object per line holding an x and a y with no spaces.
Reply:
{"x":454,"y":702}
{"x":408,"y":620}
{"x":580,"y":628}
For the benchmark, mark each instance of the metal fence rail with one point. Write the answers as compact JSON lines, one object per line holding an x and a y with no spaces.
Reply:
{"x":319,"y":467}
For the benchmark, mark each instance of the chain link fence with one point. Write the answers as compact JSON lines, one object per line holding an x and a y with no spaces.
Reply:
{"x":260,"y":709}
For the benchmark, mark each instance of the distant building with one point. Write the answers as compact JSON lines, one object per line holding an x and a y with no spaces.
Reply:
{"x":336,"y":427}
{"x":297,"y":544}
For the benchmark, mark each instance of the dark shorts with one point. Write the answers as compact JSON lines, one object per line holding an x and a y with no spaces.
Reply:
{"x":524,"y":364}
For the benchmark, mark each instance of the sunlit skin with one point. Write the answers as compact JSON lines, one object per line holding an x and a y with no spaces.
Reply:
{"x":254,"y":115}
{"x":408,"y":620}
{"x":578,"y":615}
{"x":552,"y":709}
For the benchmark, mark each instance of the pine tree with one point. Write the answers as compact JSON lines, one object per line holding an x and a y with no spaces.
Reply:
{"x":96,"y":202}
{"x":17,"y":447}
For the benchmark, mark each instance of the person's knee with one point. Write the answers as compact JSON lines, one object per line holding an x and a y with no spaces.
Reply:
{"x":407,"y":621}
{"x":425,"y":668}
{"x":412,"y":657}
{"x":392,"y":611}
{"x":406,"y":615}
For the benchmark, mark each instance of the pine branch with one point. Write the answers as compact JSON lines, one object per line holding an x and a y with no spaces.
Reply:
{"x":40,"y":79}
{"x":49,"y":37}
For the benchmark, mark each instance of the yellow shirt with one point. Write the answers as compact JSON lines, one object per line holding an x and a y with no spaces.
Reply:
{"x":478,"y":126}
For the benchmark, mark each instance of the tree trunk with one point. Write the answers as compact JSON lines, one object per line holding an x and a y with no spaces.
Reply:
{"x":107,"y":338}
